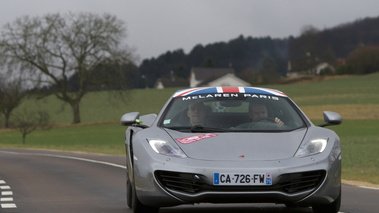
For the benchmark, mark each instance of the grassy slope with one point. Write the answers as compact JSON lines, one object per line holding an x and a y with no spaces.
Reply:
{"x":102,"y":106}
{"x":355,"y":98}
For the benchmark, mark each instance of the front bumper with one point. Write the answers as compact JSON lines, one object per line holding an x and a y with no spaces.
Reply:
{"x":304,"y":181}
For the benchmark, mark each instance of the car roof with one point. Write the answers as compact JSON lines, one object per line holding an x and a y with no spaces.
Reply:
{"x":207,"y":90}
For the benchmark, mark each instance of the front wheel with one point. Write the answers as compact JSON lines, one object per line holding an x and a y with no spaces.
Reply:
{"x":138,"y":207}
{"x":330,"y":208}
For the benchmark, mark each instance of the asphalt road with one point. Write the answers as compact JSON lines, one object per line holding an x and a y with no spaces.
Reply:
{"x":45,"y":181}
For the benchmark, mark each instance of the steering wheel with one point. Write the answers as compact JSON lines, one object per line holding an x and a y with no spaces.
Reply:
{"x":269,"y":119}
{"x":264,"y":119}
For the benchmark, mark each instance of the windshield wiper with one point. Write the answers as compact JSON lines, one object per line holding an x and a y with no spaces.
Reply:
{"x":179,"y":128}
{"x":198,"y":128}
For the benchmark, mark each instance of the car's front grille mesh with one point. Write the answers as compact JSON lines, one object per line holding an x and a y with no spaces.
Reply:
{"x":297,"y":182}
{"x":194,"y":183}
{"x":185,"y":182}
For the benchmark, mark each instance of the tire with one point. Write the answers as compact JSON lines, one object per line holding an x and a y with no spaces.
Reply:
{"x":129,"y":194}
{"x":138,"y":207}
{"x":331,"y":208}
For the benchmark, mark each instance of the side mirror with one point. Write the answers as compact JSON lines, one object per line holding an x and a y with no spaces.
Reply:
{"x":331,"y":118}
{"x":129,"y":118}
{"x":132,"y":119}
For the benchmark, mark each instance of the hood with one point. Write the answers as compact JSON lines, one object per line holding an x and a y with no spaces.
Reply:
{"x":241,"y":145}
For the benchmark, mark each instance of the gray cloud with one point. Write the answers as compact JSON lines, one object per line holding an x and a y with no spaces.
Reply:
{"x":156,"y":26}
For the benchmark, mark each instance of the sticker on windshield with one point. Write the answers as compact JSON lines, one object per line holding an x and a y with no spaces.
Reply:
{"x":195,"y":138}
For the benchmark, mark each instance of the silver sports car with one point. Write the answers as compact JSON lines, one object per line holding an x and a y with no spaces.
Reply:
{"x":231,"y":145}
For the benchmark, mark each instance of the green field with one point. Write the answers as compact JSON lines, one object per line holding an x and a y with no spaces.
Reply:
{"x":356,"y":98}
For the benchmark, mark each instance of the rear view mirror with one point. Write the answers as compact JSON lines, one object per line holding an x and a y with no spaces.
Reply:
{"x":331,"y":118}
{"x":233,"y":103}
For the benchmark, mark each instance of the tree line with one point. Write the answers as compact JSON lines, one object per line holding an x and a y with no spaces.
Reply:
{"x":265,"y":59}
{"x":243,"y":54}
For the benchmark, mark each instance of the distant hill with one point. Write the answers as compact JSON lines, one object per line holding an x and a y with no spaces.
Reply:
{"x":264,"y":56}
{"x":314,"y":46}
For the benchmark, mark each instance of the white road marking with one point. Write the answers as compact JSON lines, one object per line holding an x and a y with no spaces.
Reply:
{"x":87,"y":160}
{"x":71,"y":157}
{"x":5,"y":200}
{"x":6,"y":193}
{"x":8,"y":205}
{"x":367,"y":187}
{"x":5,"y":187}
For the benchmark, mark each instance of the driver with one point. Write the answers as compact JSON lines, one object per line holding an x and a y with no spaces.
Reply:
{"x":259,"y":111}
{"x":196,"y":113}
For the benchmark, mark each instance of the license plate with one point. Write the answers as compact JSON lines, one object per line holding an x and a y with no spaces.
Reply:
{"x":257,"y":179}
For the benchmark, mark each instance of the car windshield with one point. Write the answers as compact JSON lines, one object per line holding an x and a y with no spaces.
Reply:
{"x":231,"y":112}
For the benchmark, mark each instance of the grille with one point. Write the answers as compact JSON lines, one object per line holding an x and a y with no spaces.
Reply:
{"x":298,"y":182}
{"x":184,"y":182}
{"x":193,"y":183}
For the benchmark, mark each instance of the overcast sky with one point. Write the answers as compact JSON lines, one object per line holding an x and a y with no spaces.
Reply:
{"x":156,"y":26}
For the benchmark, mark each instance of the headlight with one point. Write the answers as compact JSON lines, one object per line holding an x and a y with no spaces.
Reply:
{"x":312,"y":147}
{"x":165,"y":148}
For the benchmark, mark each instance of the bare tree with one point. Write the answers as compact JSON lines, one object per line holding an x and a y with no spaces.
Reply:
{"x":53,"y":47}
{"x":27,"y":122}
{"x":11,"y":94}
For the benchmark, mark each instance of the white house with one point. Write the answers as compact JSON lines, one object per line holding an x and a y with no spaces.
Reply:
{"x":316,"y":70}
{"x":201,"y":77}
{"x":227,"y":80}
{"x":162,"y":83}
